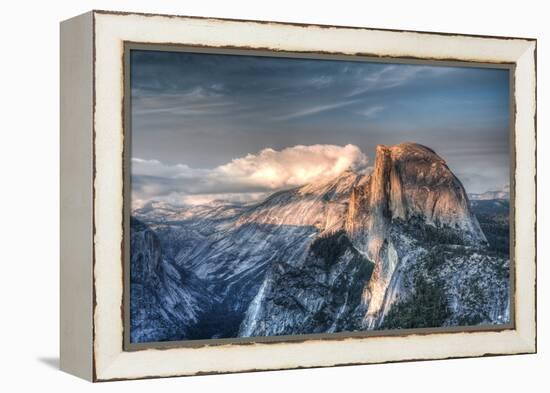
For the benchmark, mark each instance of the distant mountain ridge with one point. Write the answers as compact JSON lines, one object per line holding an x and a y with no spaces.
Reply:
{"x":490,"y":195}
{"x":350,"y":253}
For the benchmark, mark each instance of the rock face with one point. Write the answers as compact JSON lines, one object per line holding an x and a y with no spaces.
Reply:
{"x":165,"y":302}
{"x":321,"y":294}
{"x":410,"y":184}
{"x":397,"y":247}
{"x":235,"y":259}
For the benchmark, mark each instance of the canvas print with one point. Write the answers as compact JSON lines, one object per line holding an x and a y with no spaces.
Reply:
{"x":282,"y":196}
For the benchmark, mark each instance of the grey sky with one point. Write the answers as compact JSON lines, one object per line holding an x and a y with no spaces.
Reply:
{"x":202,"y":111}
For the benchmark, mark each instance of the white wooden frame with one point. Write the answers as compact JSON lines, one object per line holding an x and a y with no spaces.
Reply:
{"x":92,"y":89}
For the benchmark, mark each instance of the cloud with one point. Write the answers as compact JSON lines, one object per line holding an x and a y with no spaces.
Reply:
{"x":392,"y":76}
{"x":157,"y":168}
{"x":293,"y":166}
{"x":312,"y":110}
{"x":321,"y":81}
{"x":179,"y":199}
{"x":196,"y":101}
{"x":203,"y":199}
{"x":372,"y":111}
{"x":483,"y":181}
{"x":243,"y":179}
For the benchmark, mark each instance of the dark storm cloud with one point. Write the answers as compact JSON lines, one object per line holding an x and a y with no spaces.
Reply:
{"x":204,"y":110}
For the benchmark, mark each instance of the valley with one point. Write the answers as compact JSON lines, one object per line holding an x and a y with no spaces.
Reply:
{"x":399,"y":246}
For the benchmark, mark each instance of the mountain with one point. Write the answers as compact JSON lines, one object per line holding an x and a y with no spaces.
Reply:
{"x":494,"y":218}
{"x":411,"y":196}
{"x":165,"y":301}
{"x":490,"y":195}
{"x":397,"y":247}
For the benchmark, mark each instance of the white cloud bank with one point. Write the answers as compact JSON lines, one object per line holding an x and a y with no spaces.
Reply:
{"x":246,"y":178}
{"x":293,"y":166}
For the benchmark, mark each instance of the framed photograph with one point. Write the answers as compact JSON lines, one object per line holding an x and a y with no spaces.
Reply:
{"x":245,"y":195}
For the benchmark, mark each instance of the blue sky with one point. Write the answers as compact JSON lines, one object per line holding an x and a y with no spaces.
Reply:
{"x":193,"y":114}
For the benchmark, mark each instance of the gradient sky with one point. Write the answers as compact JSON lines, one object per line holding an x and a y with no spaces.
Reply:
{"x":195,"y":115}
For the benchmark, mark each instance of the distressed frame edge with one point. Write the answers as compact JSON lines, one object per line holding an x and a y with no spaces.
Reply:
{"x":305,"y":25}
{"x":76,"y":196}
{"x":529,"y":342}
{"x":526,"y":133}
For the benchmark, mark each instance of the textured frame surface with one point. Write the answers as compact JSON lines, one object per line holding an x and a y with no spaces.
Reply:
{"x":111,"y":31}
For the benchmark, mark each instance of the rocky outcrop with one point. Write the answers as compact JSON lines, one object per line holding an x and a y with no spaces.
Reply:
{"x":409,"y":183}
{"x":409,"y":201}
{"x":165,"y":302}
{"x":321,"y":295}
